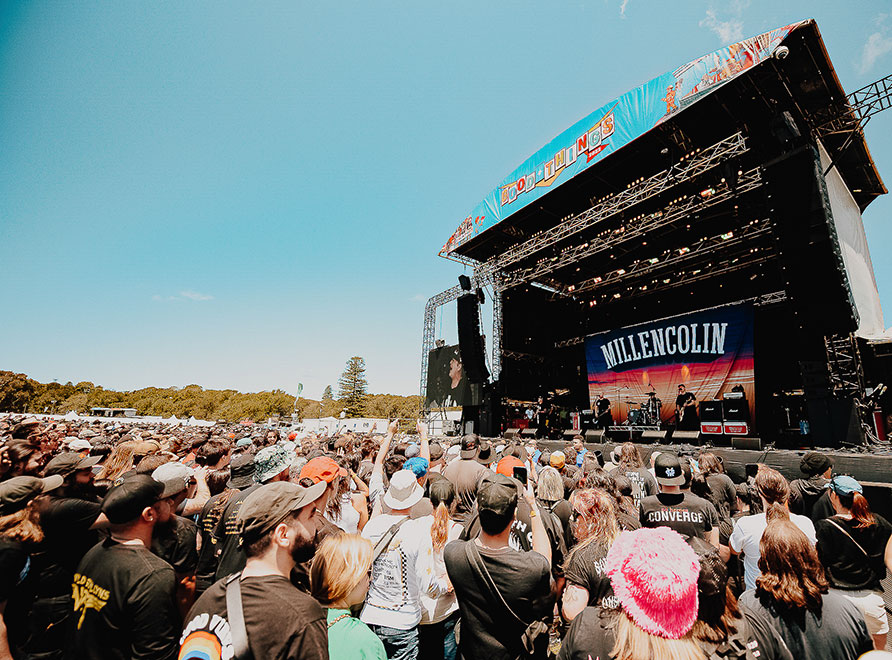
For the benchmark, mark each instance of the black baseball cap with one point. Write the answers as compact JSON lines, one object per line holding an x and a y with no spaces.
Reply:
{"x":497,"y":494}
{"x":68,"y":463}
{"x":126,"y":501}
{"x":469,"y":446}
{"x":484,"y":453}
{"x":667,"y":470}
{"x":15,"y":493}
{"x":268,"y":505}
{"x":814,"y":462}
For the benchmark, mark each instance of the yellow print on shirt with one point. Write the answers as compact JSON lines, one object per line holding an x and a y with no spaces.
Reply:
{"x":87,"y":595}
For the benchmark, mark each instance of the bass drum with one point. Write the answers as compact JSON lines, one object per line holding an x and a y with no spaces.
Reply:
{"x":635,"y":416}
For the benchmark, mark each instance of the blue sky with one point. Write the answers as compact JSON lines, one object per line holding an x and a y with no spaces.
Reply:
{"x":246,"y":194}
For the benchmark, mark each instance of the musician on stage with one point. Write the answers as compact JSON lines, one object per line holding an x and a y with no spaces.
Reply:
{"x":603,"y":416}
{"x":686,"y":416}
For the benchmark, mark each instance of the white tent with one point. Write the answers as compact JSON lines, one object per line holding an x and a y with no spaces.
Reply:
{"x":71,"y":417}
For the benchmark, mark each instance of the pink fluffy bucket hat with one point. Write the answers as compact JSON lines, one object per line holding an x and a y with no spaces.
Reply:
{"x":654,"y":575}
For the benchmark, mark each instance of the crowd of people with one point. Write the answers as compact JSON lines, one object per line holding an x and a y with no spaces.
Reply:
{"x":241,"y":542}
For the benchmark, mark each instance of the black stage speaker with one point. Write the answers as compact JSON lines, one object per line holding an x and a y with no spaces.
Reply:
{"x":570,"y":434}
{"x":754,"y":444}
{"x":685,"y":436}
{"x":653,"y":436}
{"x":808,"y":248}
{"x":470,"y":342}
{"x":593,"y":435}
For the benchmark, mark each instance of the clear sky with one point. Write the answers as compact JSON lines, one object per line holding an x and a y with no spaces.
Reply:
{"x":244,"y":195}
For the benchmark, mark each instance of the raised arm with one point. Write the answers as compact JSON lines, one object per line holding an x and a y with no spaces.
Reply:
{"x":425,"y":450}
{"x":537,"y":527}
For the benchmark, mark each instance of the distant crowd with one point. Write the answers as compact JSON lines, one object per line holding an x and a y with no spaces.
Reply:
{"x":242,"y":542}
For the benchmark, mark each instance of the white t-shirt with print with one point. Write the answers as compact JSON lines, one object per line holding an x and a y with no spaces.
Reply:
{"x":394,"y":594}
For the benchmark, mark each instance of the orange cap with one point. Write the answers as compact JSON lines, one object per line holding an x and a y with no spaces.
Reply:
{"x":506,"y":465}
{"x":322,"y":468}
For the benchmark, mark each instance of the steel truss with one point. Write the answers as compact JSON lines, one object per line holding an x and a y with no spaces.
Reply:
{"x":635,"y":228}
{"x":844,"y":360}
{"x":857,"y":109}
{"x":698,"y":163}
{"x":737,"y":245}
{"x":449,"y":295}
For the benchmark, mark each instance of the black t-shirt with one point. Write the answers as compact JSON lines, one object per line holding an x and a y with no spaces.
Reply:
{"x":66,"y":523}
{"x":16,"y":590}
{"x":723,"y":494}
{"x":280,"y":620}
{"x":562,"y":511}
{"x":521,"y":537}
{"x":586,"y":568}
{"x":590,"y":636}
{"x":643,"y":482}
{"x":176,"y":543}
{"x":686,"y":513}
{"x":231,"y":554}
{"x":837,"y":633}
{"x":847,"y":566}
{"x":209,"y":552}
{"x":524,"y":581}
{"x":124,"y":605}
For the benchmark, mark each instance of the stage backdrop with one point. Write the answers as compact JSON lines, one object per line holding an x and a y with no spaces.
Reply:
{"x":709,"y":352}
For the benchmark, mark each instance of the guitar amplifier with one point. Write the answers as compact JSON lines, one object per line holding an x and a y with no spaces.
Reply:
{"x":711,"y":417}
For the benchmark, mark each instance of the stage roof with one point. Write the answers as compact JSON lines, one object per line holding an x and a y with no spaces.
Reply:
{"x":737,"y":88}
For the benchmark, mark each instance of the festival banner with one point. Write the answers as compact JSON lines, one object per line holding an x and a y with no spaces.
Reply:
{"x":613,"y":126}
{"x":709,"y":352}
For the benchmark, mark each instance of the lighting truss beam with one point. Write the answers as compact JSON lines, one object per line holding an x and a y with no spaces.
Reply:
{"x":688,"y":169}
{"x":740,"y":237}
{"x":858,"y":108}
{"x":633,"y":229}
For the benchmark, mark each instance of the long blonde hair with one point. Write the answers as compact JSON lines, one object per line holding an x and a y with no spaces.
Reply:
{"x":118,"y":462}
{"x":633,"y":643}
{"x":340,"y":563}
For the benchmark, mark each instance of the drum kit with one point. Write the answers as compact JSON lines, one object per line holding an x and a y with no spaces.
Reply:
{"x":647,"y":413}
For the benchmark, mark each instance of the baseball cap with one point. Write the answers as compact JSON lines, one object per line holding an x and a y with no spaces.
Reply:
{"x":243,"y":442}
{"x":241,"y":471}
{"x":322,"y":468}
{"x":417,"y":465}
{"x":654,"y":576}
{"x":558,"y":459}
{"x":469,"y":446}
{"x":271,"y":461}
{"x":843,"y":484}
{"x":667,"y":470}
{"x":126,"y":501}
{"x":80,"y":445}
{"x":15,"y":493}
{"x":484,"y":453}
{"x":404,"y":491}
{"x":268,"y":505}
{"x":507,"y":464}
{"x":175,"y":477}
{"x":814,"y":462}
{"x":69,"y":462}
{"x":412,"y":451}
{"x":436,"y":451}
{"x":497,"y":494}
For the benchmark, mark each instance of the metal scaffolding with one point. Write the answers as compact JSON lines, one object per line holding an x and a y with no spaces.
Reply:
{"x":449,"y":295}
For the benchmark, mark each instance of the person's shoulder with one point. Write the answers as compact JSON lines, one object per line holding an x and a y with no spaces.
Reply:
{"x":803,"y":522}
{"x":281,"y":593}
{"x":837,"y":605}
{"x":360,"y":635}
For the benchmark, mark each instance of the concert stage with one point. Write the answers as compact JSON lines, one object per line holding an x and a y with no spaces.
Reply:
{"x":703,"y":229}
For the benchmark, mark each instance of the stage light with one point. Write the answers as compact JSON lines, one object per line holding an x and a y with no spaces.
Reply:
{"x":621,"y":271}
{"x":652,"y":261}
{"x":728,"y":235}
{"x":707,"y":192}
{"x":617,"y":295}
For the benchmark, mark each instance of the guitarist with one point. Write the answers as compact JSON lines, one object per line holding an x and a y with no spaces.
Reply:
{"x":686,"y":417}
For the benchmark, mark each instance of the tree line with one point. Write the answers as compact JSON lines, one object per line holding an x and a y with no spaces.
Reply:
{"x":21,"y":394}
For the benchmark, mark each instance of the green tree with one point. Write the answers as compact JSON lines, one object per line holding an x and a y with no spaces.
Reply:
{"x":326,"y":393}
{"x":16,"y":391}
{"x":353,"y":389}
